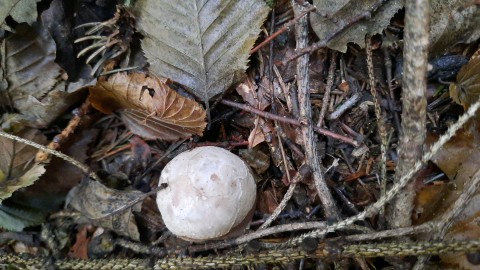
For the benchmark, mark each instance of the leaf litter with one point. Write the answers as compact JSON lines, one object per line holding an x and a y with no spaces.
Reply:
{"x":174,"y":37}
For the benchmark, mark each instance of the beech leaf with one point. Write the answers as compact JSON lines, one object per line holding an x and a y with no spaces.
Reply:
{"x":20,"y":10}
{"x":340,"y":13}
{"x":467,"y":88}
{"x":203,"y":45}
{"x":15,"y":171}
{"x":148,"y":106}
{"x":101,"y":205}
{"x":452,"y":22}
{"x":32,"y":76}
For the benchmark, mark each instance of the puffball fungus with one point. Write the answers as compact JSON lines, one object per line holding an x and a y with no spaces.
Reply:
{"x":211,"y":194}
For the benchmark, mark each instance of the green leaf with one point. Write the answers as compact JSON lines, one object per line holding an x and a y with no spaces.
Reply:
{"x":20,"y":10}
{"x":340,"y":13}
{"x":16,"y":219}
{"x":203,"y":45}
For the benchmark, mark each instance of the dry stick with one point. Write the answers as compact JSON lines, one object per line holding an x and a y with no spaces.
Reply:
{"x":423,"y":228}
{"x":284,"y":28}
{"x":328,"y":88}
{"x":380,"y":123}
{"x":302,"y":172}
{"x":391,"y":95}
{"x":288,"y":120}
{"x":61,"y":155}
{"x":309,"y":140}
{"x":447,"y":220}
{"x":414,"y":106}
{"x":322,"y":43}
{"x":399,"y":185}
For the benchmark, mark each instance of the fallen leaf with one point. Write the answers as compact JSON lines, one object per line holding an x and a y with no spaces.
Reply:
{"x":341,"y":13}
{"x":256,"y":159}
{"x":15,"y":219}
{"x":34,"y":84}
{"x":79,"y":250}
{"x":15,"y":163}
{"x":202,"y":45}
{"x":458,"y":159}
{"x":148,"y":106}
{"x":103,"y":206}
{"x":466,"y":90}
{"x":452,"y":22}
{"x":20,"y":10}
{"x":267,"y":203}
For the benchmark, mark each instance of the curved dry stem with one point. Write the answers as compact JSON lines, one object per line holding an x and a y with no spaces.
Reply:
{"x":61,"y":155}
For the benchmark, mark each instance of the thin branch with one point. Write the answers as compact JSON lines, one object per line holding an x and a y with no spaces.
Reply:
{"x":284,"y":28}
{"x":399,"y":185}
{"x":380,"y":124}
{"x":303,"y":171}
{"x":328,"y":88}
{"x":288,"y":120}
{"x":414,"y":106}
{"x":323,"y":43}
{"x":309,"y":140}
{"x":61,"y":155}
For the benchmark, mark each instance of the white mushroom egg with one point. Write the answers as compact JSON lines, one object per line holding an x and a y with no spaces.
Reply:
{"x":210,"y":194}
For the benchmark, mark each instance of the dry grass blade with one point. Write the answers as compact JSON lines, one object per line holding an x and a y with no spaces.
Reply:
{"x":148,"y":106}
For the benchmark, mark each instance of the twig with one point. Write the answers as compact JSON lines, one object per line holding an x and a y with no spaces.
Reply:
{"x":312,"y":159}
{"x":380,"y":124}
{"x":322,"y":43}
{"x":414,"y":105}
{"x":345,"y":106}
{"x":423,"y":228}
{"x":303,"y":171}
{"x":284,"y":28}
{"x":288,"y":120}
{"x":391,"y":96}
{"x":328,"y":88}
{"x":78,"y":113}
{"x":399,"y":185}
{"x":61,"y":155}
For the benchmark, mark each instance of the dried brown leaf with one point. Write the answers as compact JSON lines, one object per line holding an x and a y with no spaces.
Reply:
{"x":467,"y":89}
{"x":33,"y":78}
{"x":148,"y":106}
{"x":16,"y":169}
{"x":458,"y":159}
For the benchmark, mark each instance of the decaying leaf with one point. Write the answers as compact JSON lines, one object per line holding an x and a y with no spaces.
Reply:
{"x":101,"y":205}
{"x":148,"y":106}
{"x":452,"y":22}
{"x":466,"y":90}
{"x":34,"y":84}
{"x":458,"y":159}
{"x":203,"y":45}
{"x":15,"y":164}
{"x":340,"y":13}
{"x":20,"y":10}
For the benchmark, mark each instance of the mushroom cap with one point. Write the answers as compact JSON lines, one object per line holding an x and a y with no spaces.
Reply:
{"x":210,"y":191}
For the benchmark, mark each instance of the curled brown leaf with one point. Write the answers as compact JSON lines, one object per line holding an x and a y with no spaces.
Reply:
{"x":148,"y":106}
